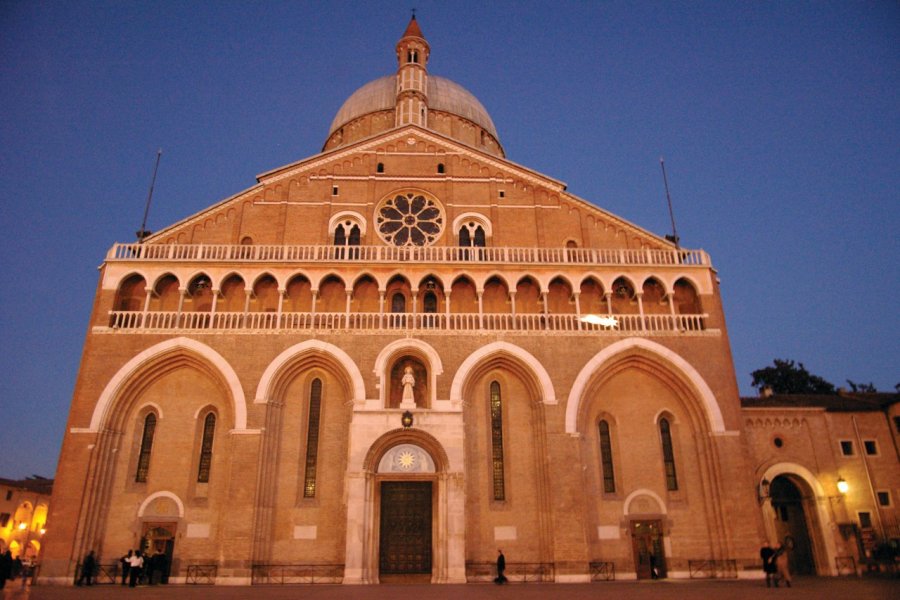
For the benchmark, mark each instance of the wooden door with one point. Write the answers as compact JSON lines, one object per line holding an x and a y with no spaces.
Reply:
{"x":405,"y":538}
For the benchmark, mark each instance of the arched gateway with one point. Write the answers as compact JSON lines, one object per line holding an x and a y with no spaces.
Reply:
{"x":399,"y":512}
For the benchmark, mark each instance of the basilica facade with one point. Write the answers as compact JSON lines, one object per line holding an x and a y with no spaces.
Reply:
{"x":397,"y":356}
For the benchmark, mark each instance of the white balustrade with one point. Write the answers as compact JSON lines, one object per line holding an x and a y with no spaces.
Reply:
{"x":303,"y":321}
{"x":405,"y":254}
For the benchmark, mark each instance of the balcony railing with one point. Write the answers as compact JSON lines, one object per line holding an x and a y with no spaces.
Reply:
{"x":292,"y":321}
{"x":393,"y":254}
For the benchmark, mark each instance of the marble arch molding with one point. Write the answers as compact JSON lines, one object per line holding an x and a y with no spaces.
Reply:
{"x":126,"y":374}
{"x":610,"y":353}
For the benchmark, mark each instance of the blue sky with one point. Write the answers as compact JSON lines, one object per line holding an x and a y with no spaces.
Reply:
{"x":778,"y":121}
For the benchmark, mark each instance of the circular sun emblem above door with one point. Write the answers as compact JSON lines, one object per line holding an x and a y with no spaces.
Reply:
{"x":409,"y":219}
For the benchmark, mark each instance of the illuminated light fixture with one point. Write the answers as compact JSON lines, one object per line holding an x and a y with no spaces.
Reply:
{"x":842,"y":485}
{"x":43,"y":530}
{"x":607,"y":321}
{"x":22,"y":525}
{"x":406,"y":419}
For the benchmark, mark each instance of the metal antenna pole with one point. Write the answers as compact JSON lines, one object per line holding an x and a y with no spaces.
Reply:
{"x":142,"y":232}
{"x":674,"y":237}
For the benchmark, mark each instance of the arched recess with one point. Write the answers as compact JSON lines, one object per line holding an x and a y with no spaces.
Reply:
{"x":162,"y":494}
{"x":536,"y":371}
{"x":617,"y":351}
{"x":417,"y":348}
{"x":820,"y":525}
{"x":336,"y":358}
{"x":219,"y":369}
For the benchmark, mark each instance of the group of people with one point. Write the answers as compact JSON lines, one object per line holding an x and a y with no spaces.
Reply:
{"x":11,"y":568}
{"x":136,"y":568}
{"x":775,"y":564}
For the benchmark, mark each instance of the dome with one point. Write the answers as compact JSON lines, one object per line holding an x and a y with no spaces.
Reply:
{"x":443,"y":95}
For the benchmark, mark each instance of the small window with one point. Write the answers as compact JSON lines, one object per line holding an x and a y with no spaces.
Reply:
{"x":312,"y":438}
{"x":865,"y":520}
{"x":4,"y":517}
{"x":440,"y":169}
{"x":871,"y":447}
{"x":778,"y":442}
{"x":380,"y":168}
{"x":498,"y":479}
{"x":9,"y":494}
{"x":206,"y":448}
{"x":502,"y":194}
{"x":609,"y":478}
{"x":665,"y":434}
{"x":847,"y":448}
{"x":143,"y":466}
{"x":334,"y":190}
{"x":884,"y":498}
{"x":897,"y":424}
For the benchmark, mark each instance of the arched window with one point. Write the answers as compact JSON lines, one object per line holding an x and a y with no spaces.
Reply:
{"x":665,"y":436}
{"x":430,"y":302}
{"x":398,"y":303}
{"x":353,"y":238}
{"x":312,"y":439}
{"x":440,"y":168}
{"x":606,"y":460}
{"x":206,"y":448}
{"x":143,"y":466}
{"x":340,"y":238}
{"x":478,"y":239}
{"x":497,"y":442}
{"x":379,"y":168}
{"x":465,"y":239}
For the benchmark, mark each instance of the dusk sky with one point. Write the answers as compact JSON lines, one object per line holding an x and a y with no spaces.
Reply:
{"x":779,"y":123}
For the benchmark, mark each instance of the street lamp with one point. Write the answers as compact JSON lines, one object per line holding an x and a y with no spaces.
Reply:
{"x":842,"y":485}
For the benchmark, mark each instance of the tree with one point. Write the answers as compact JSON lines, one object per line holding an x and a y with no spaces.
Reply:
{"x":787,"y":377}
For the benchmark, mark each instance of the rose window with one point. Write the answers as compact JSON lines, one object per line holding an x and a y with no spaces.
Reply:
{"x":409,"y":219}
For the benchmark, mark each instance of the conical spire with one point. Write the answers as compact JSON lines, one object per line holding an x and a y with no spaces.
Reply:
{"x":412,"y":30}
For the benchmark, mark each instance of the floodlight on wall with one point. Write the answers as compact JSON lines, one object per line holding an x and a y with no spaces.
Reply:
{"x":605,"y":321}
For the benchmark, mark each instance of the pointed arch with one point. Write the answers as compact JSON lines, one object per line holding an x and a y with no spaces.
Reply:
{"x":272,"y":375}
{"x":155,"y":353}
{"x":470,"y":365}
{"x":607,"y":355}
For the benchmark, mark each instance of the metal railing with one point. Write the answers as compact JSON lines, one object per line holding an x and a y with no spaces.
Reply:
{"x":201,"y":574}
{"x":405,"y":254}
{"x":515,"y":572}
{"x":296,"y":574}
{"x":254,"y":321}
{"x":603,"y":571}
{"x":713,"y":569}
{"x":103,"y":574}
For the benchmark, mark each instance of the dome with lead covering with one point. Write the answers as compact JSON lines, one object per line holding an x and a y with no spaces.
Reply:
{"x":443,"y":95}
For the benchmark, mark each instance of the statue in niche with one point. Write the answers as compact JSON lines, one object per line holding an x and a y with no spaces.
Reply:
{"x":408,"y":382}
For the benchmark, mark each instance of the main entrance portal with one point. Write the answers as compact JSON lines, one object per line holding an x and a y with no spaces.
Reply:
{"x":405,"y":539}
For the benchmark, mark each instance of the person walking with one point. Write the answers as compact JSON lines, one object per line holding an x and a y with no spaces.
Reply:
{"x":501,"y":567}
{"x":6,"y":564}
{"x":781,"y":564}
{"x":88,"y":566}
{"x":767,"y":554}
